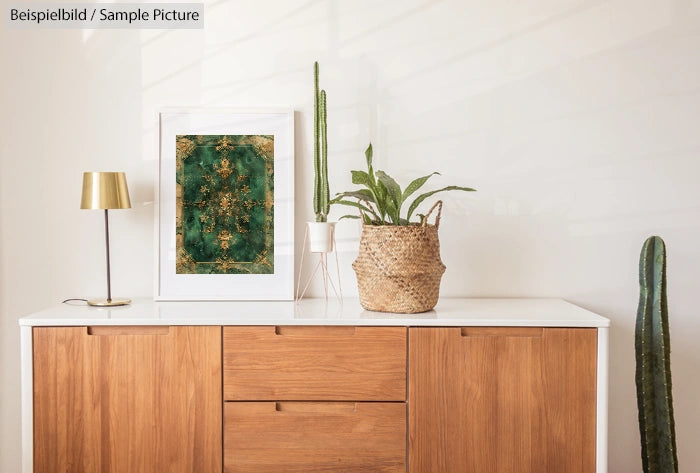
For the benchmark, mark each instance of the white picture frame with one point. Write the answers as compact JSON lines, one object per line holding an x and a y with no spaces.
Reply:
{"x":172,"y":282}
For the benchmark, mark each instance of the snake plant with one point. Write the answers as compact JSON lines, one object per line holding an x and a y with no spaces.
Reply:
{"x":381,"y":200}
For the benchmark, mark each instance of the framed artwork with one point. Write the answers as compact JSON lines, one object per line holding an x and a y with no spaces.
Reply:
{"x":225,"y":205}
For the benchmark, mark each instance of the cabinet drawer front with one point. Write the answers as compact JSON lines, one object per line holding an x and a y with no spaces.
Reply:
{"x":315,"y":363}
{"x":308,"y":437}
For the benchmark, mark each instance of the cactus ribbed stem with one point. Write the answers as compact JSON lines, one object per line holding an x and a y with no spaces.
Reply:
{"x":325,"y":191}
{"x":322,"y":195}
{"x":317,"y":156}
{"x":653,"y":373}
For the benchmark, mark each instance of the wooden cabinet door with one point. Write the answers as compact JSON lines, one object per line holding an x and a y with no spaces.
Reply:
{"x":502,"y":400}
{"x":315,"y":437}
{"x":127,"y":399}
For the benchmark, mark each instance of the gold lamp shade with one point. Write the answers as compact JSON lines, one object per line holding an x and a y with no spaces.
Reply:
{"x":105,"y":190}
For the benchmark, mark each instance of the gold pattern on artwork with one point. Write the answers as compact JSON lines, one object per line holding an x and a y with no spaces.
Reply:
{"x":262,"y":259}
{"x":263,"y":145}
{"x":224,"y":236}
{"x":224,"y":144}
{"x":184,"y":148}
{"x":226,"y":201}
{"x":222,"y":180}
{"x":224,"y":169}
{"x":185,"y":261}
{"x":241,"y":229}
{"x":225,"y":263}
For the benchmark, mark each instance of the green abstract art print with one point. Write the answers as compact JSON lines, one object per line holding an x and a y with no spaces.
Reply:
{"x":224,"y":222}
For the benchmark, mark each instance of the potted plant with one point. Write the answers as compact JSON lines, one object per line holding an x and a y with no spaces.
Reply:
{"x":320,"y":231}
{"x":398,"y":268}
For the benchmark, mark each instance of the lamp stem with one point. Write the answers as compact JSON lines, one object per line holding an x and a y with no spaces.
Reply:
{"x":109,"y":283}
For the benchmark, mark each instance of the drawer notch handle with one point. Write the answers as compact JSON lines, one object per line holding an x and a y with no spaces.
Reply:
{"x":526,"y":332}
{"x":105,"y":330}
{"x":310,"y":331}
{"x":314,"y":406}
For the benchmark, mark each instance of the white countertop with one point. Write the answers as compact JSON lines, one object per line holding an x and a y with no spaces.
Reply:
{"x":448,"y":312}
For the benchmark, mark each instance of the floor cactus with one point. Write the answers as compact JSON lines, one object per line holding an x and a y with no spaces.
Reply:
{"x":653,"y":374}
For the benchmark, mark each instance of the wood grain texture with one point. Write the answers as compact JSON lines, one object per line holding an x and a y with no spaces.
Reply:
{"x":315,"y":363}
{"x":515,"y":403}
{"x":130,"y":402}
{"x":314,"y":437}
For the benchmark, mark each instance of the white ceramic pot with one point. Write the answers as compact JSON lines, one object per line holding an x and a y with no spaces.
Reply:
{"x":321,"y":236}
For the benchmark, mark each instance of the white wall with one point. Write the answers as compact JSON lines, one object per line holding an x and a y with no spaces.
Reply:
{"x":576,"y":120}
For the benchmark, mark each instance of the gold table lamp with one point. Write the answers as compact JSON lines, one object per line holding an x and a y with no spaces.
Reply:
{"x":104,"y":191}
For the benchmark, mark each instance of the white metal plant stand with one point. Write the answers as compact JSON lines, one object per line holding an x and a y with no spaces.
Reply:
{"x":322,"y":267}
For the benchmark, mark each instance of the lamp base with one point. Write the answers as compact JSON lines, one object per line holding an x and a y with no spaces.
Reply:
{"x":108,"y":303}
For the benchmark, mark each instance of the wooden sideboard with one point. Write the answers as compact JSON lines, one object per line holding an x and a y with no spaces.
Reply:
{"x":497,"y":385}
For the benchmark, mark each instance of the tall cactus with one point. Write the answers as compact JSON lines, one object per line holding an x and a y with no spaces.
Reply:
{"x":653,"y":374}
{"x":321,"y":189}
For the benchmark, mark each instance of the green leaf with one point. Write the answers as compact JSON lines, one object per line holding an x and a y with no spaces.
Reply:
{"x":368,"y":157}
{"x":422,"y":197}
{"x":392,"y":212}
{"x":349,"y":216}
{"x":392,"y":187}
{"x":361,"y":178}
{"x":381,"y":199}
{"x":358,"y":205}
{"x":362,"y":194}
{"x":415,"y":185}
{"x":370,"y":169}
{"x":367,"y":180}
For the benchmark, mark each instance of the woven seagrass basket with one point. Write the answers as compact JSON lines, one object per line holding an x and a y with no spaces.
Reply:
{"x":399,"y":268}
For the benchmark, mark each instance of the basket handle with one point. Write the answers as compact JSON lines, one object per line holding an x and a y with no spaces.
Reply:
{"x":437,"y":204}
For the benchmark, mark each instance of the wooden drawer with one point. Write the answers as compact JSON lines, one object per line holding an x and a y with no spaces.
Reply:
{"x":315,"y":363}
{"x":308,"y":437}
